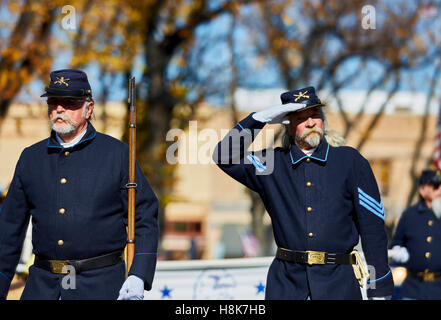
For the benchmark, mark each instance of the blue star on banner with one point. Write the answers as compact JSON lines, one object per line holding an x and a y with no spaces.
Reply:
{"x":260,"y":287}
{"x":166,"y":292}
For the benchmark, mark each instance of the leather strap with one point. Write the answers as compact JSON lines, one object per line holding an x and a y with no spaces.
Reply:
{"x":314,"y":257}
{"x":67,"y":93}
{"x":56,"y":266}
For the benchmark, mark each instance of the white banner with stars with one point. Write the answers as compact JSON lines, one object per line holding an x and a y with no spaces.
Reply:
{"x":227,"y":279}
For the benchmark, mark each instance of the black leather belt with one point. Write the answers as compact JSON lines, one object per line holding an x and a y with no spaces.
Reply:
{"x":61,"y":266}
{"x":314,"y":257}
{"x":425,"y":276}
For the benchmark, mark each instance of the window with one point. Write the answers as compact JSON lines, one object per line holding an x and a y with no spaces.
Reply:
{"x":180,"y":227}
{"x":190,"y":228}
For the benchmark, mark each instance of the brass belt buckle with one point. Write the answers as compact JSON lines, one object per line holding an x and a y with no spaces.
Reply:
{"x":57,"y":266}
{"x":316,"y":257}
{"x":428,"y":276}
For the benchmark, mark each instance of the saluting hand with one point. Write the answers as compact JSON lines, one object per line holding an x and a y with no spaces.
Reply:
{"x":277,"y":114}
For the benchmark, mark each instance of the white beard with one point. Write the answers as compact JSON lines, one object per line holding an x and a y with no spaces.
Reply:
{"x":311,"y":137}
{"x":63,"y":129}
{"x":70,"y":125}
{"x":436,"y":207}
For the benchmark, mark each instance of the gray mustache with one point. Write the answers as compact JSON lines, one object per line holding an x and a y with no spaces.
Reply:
{"x":307,"y":131}
{"x":62,"y":117}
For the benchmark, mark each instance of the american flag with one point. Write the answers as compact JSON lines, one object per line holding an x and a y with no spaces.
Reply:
{"x":250,"y":244}
{"x":437,"y":153}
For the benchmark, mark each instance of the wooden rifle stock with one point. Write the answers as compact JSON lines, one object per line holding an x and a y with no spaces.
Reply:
{"x":131,"y":185}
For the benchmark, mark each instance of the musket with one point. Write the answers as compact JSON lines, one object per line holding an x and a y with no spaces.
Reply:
{"x":131,"y":185}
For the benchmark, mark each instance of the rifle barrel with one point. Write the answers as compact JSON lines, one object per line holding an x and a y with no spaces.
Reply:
{"x":131,"y":185}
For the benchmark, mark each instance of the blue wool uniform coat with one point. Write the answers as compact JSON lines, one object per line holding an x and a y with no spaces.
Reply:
{"x":419,"y":230}
{"x":88,"y":182}
{"x":324,"y":202}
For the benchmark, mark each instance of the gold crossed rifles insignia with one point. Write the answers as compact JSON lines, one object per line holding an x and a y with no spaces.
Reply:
{"x":61,"y":80}
{"x":300,"y":95}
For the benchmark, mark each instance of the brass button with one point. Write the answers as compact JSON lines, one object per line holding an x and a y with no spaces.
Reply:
{"x":428,"y":255}
{"x":429,"y":239}
{"x":63,"y":180}
{"x":308,"y":159}
{"x":309,"y":209}
{"x":430,"y":223}
{"x":66,"y":153}
{"x":310,"y":235}
{"x":308,"y":184}
{"x":62,"y":211}
{"x":60,"y":242}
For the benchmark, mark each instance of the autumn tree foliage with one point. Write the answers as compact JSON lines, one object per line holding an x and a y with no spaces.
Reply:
{"x":335,"y":44}
{"x":319,"y":42}
{"x":24,"y":49}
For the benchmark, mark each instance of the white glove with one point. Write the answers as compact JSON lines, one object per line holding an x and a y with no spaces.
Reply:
{"x":132,"y":289}
{"x":399,"y":254}
{"x":381,"y":298}
{"x":277,"y":114}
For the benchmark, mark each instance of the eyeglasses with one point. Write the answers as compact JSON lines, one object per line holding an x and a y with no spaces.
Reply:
{"x":435,"y":182}
{"x":435,"y":185}
{"x":65,"y":102}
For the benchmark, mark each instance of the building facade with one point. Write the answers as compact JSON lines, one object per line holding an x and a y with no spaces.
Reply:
{"x":209,"y":216}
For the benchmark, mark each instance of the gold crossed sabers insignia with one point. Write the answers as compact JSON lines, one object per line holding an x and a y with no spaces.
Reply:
{"x":300,"y":95}
{"x":62,"y":81}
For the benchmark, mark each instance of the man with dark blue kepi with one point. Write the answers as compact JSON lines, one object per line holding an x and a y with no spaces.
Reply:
{"x":320,"y":198}
{"x":417,"y":241}
{"x":72,"y":186}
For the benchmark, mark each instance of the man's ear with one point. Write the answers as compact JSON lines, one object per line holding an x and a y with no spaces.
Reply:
{"x":90,"y":105}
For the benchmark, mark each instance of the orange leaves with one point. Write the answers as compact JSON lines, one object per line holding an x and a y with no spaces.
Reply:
{"x":12,"y":54}
{"x":12,"y":80}
{"x":26,"y":52}
{"x":14,"y":7}
{"x":178,"y":90}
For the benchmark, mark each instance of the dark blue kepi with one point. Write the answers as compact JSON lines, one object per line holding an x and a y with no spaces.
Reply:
{"x":306,"y":96}
{"x":68,"y":83}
